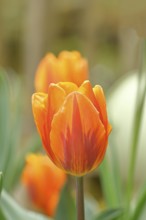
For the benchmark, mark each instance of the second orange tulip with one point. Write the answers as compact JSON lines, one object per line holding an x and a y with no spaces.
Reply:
{"x":67,"y":67}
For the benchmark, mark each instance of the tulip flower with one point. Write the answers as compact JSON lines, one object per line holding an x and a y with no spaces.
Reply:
{"x":73,"y":125}
{"x":43,"y":181}
{"x":68,"y":66}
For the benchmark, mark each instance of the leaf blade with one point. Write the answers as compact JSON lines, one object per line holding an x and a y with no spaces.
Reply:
{"x":13,"y":211}
{"x":66,"y":208}
{"x":110,"y":214}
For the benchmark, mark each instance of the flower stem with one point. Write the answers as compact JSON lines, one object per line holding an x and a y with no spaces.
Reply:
{"x":80,"y":198}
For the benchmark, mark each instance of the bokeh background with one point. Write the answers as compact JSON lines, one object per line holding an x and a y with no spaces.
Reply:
{"x":107,"y":33}
{"x":101,"y":30}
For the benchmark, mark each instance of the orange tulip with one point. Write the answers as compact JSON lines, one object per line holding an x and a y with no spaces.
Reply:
{"x":44,"y":182}
{"x":73,"y":125}
{"x":68,"y":67}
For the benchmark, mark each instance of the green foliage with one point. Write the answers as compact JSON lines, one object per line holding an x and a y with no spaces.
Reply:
{"x":66,"y":208}
{"x":140,"y":205}
{"x":12,"y":158}
{"x":109,"y":186}
{"x":2,"y":217}
{"x":1,"y":180}
{"x":13,"y":211}
{"x":116,"y":193}
{"x":111,"y":214}
{"x":4,"y":120}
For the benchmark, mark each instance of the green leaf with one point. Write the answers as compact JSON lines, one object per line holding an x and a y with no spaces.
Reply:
{"x":140,"y":204}
{"x":13,"y":211}
{"x":15,"y":121}
{"x":2,"y":217}
{"x":66,"y":208}
{"x":32,"y":145}
{"x":110,"y":190}
{"x":12,"y":157}
{"x":4,"y":120}
{"x":111,"y":214}
{"x":1,"y":181}
{"x":139,"y":109}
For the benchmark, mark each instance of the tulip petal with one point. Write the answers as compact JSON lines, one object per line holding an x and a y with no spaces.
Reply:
{"x":69,"y":55}
{"x":75,"y":67}
{"x":39,"y":107}
{"x":78,"y":138}
{"x":86,"y":89}
{"x":67,"y":67}
{"x":81,"y":72}
{"x":44,"y":181}
{"x":68,"y":87}
{"x":44,"y":108}
{"x":46,"y":73}
{"x":56,"y":96}
{"x":101,"y":103}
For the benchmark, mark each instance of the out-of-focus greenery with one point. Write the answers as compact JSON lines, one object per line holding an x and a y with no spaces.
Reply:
{"x":99,"y":29}
{"x":12,"y":156}
{"x":127,"y":107}
{"x":106,"y":32}
{"x":12,"y":145}
{"x":11,"y":210}
{"x":0,"y":181}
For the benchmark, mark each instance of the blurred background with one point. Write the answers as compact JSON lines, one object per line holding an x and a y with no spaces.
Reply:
{"x":107,"y":33}
{"x":101,"y":30}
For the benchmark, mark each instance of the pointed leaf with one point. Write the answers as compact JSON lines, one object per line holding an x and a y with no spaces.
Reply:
{"x":13,"y":211}
{"x":110,"y":190}
{"x":111,"y":214}
{"x":66,"y":208}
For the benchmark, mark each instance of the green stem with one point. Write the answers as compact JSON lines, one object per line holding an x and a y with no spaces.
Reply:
{"x":80,"y":198}
{"x":1,"y":181}
{"x":140,"y":206}
{"x":137,"y":125}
